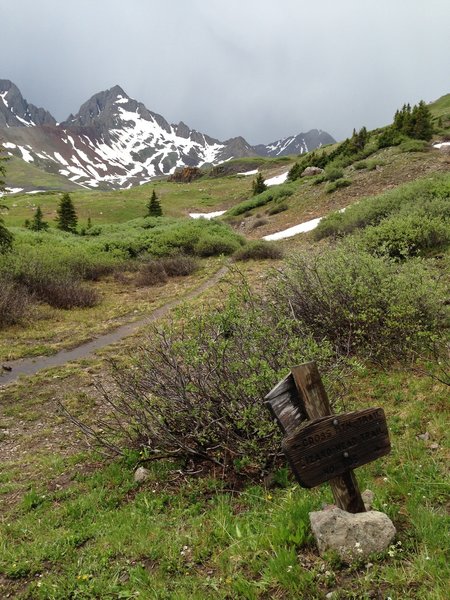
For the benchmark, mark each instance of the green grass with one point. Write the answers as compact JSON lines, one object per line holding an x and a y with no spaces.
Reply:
{"x":21,"y":174}
{"x":100,"y":535}
{"x":177,"y":199}
{"x":441,"y":107}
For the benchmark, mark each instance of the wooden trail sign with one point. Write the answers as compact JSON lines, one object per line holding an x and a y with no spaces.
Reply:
{"x":324,"y":447}
{"x":330,"y":446}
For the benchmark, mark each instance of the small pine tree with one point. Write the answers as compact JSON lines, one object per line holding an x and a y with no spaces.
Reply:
{"x":38,"y":223}
{"x":154,"y":206}
{"x":67,"y":217}
{"x":89,"y":223}
{"x":6,"y":237}
{"x":258,"y":185}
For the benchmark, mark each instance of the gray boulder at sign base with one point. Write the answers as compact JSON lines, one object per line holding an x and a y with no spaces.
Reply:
{"x":352,"y":536}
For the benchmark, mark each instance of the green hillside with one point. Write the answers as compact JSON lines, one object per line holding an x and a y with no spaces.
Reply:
{"x":21,"y":174}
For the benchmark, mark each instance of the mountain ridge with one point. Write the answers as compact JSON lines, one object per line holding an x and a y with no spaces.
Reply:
{"x":115,"y":141}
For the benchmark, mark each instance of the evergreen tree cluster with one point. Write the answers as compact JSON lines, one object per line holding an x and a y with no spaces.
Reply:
{"x":414,"y":122}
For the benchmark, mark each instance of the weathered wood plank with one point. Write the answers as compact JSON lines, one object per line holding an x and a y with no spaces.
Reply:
{"x":315,"y":400}
{"x":328,"y":447}
{"x":284,"y":403}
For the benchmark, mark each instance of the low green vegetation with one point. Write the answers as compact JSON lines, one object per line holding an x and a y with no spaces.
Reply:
{"x":258,"y":250}
{"x":50,"y":266}
{"x":273,"y":194}
{"x":409,"y":221}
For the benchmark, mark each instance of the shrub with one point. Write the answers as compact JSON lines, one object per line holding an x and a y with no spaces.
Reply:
{"x":406,"y":235}
{"x":336,"y":185}
{"x":6,"y":238}
{"x":258,"y":250}
{"x":390,"y":137}
{"x":362,"y":164}
{"x":413,"y":146}
{"x":195,"y":388}
{"x":179,"y":266}
{"x":14,"y":303}
{"x":196,"y":237}
{"x":428,"y":195}
{"x":332,"y":173}
{"x":363,"y":304}
{"x":272,"y":194}
{"x":214,"y":245}
{"x":47,"y":277}
{"x":67,"y":294}
{"x":157,"y":271}
{"x":259,"y":223}
{"x":151,"y":273}
{"x":277,"y":208}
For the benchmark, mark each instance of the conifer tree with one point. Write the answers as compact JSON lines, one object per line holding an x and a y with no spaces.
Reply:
{"x":154,"y":206}
{"x":6,"y":237}
{"x":258,"y":185}
{"x":38,"y":223}
{"x":67,"y":217}
{"x":423,"y":126}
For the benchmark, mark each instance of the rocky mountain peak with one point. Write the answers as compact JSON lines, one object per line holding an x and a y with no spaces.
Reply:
{"x":15,"y":111}
{"x":99,"y":108}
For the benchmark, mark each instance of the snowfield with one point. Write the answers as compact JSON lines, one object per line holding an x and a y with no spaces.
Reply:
{"x":290,"y":231}
{"x":209,"y":215}
{"x":277,"y":180}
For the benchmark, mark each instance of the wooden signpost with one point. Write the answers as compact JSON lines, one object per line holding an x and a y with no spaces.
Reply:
{"x":324,"y":447}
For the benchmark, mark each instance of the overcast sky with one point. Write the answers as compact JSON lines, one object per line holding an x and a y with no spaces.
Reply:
{"x":263,"y":69}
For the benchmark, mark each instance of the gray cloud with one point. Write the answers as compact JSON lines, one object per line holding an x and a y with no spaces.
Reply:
{"x":257,"y":68}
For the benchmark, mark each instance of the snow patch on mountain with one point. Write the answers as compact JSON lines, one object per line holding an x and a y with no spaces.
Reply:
{"x":208,"y":215}
{"x":290,"y":231}
{"x":277,"y":180}
{"x":247,"y":173}
{"x":3,"y":97}
{"x":26,"y":154}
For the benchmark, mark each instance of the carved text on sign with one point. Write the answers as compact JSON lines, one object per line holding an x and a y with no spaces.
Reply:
{"x":329,"y":446}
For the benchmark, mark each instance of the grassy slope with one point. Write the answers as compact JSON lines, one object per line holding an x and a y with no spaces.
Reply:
{"x":21,"y":174}
{"x":71,"y":527}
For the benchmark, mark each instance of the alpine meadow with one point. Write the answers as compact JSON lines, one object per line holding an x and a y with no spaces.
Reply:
{"x":156,"y":284}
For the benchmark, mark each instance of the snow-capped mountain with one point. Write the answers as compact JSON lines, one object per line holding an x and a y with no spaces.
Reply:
{"x":115,"y":141}
{"x":296,"y":144}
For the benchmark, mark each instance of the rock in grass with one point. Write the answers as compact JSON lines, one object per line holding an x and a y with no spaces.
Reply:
{"x":352,"y":536}
{"x":368,"y":497}
{"x":309,"y":171}
{"x":141,"y":474}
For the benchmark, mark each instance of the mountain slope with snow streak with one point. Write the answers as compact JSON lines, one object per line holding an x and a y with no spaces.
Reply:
{"x":113,"y":141}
